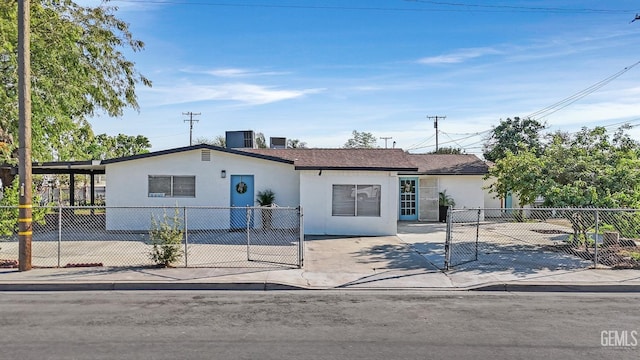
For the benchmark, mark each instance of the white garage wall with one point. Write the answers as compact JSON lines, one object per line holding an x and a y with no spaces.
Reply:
{"x":127,"y":185}
{"x":316,"y":197}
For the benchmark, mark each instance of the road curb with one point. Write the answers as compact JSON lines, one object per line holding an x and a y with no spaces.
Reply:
{"x":537,"y":287}
{"x":133,"y":286}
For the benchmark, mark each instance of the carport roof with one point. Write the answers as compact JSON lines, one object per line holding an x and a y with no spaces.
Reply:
{"x":62,"y":167}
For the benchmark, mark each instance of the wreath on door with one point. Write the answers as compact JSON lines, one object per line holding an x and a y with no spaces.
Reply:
{"x":408,"y":187}
{"x":241,"y":188}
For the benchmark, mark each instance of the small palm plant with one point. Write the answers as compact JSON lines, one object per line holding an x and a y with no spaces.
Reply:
{"x":266,"y":198}
{"x":445,"y":200}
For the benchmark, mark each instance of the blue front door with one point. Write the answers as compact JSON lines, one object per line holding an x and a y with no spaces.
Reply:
{"x":241,"y":197}
{"x":508,"y":201}
{"x":408,"y":199}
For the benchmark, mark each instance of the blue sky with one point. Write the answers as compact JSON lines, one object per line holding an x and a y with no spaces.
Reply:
{"x":316,"y":70}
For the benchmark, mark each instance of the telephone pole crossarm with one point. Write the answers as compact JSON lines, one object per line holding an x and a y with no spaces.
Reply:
{"x":191,"y":120}
{"x":385,"y":138}
{"x":435,"y":125}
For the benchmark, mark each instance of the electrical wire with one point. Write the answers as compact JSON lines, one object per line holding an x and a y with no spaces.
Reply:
{"x":553,"y":108}
{"x":523,"y":8}
{"x":449,"y":7}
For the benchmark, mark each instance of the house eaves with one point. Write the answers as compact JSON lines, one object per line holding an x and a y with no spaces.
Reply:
{"x":197,"y":147}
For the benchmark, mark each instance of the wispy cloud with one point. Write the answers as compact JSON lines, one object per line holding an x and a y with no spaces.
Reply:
{"x":459,"y":56}
{"x":248,"y":94}
{"x":234,"y":72}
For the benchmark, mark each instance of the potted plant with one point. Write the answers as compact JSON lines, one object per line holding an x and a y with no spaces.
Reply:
{"x":266,"y":199}
{"x":444,"y":200}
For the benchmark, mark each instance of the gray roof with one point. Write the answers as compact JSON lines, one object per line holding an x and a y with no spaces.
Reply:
{"x":342,"y":159}
{"x":448,"y":164}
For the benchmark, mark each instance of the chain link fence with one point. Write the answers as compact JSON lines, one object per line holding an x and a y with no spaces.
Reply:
{"x":543,"y":238}
{"x":123,"y":237}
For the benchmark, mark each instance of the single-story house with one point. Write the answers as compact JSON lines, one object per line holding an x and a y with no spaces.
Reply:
{"x":341,"y":191}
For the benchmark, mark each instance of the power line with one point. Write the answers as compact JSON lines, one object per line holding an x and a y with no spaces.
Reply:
{"x":522,"y":8}
{"x":553,"y":108}
{"x":450,"y":7}
{"x":470,"y":145}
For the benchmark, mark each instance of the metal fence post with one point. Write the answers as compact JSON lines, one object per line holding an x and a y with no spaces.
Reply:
{"x":595,"y":241}
{"x":248,"y":237}
{"x":59,"y":231}
{"x":447,"y":242}
{"x":477,"y":233}
{"x":301,"y":238}
{"x":186,"y":237}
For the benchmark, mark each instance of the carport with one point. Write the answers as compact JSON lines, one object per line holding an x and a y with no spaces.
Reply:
{"x":70,"y":168}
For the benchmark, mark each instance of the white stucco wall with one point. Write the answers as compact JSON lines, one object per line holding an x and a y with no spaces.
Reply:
{"x":128,"y":186}
{"x":468,"y":193}
{"x":316,"y":200}
{"x":466,"y":190}
{"x":491,"y":200}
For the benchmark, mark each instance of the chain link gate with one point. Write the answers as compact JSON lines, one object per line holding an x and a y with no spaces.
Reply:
{"x":543,"y":238}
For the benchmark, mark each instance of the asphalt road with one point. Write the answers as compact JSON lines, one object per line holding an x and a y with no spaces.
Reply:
{"x":318,"y":325}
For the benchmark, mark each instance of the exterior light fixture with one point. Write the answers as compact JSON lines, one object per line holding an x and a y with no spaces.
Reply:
{"x":223,"y":174}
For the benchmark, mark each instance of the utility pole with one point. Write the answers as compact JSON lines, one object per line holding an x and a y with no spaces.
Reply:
{"x":435,"y":125}
{"x":385,"y":138}
{"x":24,"y":135}
{"x":191,"y":120}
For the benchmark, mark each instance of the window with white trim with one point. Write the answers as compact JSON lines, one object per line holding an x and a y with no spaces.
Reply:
{"x":355,"y":200}
{"x":172,"y":186}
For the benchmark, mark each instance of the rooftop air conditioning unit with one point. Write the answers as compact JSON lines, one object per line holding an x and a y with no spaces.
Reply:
{"x":240,"y":139}
{"x":278,"y":142}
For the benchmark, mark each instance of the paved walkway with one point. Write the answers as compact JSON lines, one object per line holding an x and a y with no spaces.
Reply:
{"x":410,"y":260}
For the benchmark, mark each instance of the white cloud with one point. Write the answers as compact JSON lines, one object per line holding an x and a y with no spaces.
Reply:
{"x":459,"y":56}
{"x":234,"y":72}
{"x":250,"y":94}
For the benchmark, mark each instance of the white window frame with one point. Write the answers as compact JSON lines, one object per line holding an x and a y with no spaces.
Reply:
{"x":172,"y":186}
{"x":355,"y":189}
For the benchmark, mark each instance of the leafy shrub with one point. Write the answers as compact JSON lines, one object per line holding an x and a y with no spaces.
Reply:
{"x":166,"y":236}
{"x":9,"y":209}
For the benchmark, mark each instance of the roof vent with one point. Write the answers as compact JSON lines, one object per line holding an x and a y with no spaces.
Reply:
{"x":206,"y":155}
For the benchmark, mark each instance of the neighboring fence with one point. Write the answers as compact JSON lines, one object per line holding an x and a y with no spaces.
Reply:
{"x":120,"y":236}
{"x":535,"y":238}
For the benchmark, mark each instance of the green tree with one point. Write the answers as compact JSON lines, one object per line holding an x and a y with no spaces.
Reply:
{"x":513,"y":135}
{"x":520,"y":174}
{"x":447,"y":150}
{"x":104,"y":146}
{"x":296,"y":144}
{"x":589,"y":168}
{"x":261,"y":142}
{"x":216,"y":141}
{"x":9,"y":209}
{"x":78,"y":68}
{"x":361,"y":140}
